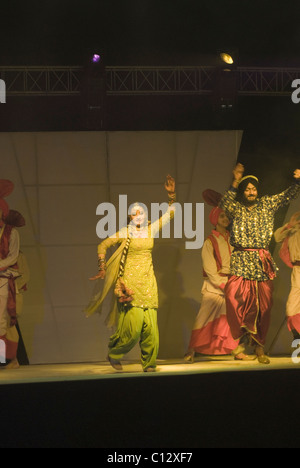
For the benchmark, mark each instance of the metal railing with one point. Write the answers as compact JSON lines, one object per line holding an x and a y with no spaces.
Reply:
{"x":142,"y":80}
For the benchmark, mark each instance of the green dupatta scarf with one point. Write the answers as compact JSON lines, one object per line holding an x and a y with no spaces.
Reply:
{"x":114,"y":270}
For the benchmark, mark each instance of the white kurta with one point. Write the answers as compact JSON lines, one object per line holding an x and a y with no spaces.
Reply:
{"x":211,"y":333}
{"x":215,"y":282}
{"x":293,"y":302}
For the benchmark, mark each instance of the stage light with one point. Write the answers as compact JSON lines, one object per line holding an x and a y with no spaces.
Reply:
{"x":96,"y":58}
{"x":226,"y":58}
{"x":93,"y":90}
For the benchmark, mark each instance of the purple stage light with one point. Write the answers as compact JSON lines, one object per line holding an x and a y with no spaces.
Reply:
{"x":96,"y":58}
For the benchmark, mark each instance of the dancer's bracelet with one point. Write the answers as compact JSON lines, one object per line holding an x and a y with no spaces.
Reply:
{"x":101,"y":264}
{"x":172,"y":197}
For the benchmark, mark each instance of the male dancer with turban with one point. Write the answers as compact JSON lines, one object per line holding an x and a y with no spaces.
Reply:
{"x":289,"y":235}
{"x":250,"y":287}
{"x":211,"y":334}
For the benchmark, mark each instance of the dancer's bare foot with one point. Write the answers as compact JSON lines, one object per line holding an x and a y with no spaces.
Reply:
{"x":114,"y":363}
{"x":189,"y":357}
{"x":13,"y":364}
{"x":243,"y":357}
{"x":260,"y":353}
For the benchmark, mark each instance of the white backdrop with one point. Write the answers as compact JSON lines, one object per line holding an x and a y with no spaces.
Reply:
{"x":60,"y":178}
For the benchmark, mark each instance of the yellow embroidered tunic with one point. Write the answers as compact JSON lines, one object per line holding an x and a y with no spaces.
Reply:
{"x":139,"y":273}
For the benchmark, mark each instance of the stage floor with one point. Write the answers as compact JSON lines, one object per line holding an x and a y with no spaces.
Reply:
{"x":132,"y":369}
{"x":212,"y":403}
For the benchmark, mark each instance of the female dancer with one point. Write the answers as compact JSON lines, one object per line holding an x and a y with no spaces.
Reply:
{"x":130,"y":273}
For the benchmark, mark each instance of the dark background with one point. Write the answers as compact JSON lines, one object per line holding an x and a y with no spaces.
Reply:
{"x":150,"y":32}
{"x":59,"y":32}
{"x":166,"y":32}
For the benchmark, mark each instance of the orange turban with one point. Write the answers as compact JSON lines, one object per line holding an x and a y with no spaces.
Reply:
{"x":212,"y":198}
{"x":214,"y":215}
{"x":4,"y":207}
{"x":6,"y":187}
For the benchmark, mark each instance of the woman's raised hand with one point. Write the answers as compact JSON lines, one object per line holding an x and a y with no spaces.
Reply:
{"x":170,"y":184}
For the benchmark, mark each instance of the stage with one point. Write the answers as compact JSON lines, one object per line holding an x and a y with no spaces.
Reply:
{"x":132,"y":369}
{"x":215,"y":402}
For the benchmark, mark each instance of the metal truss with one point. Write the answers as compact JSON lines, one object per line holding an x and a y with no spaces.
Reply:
{"x":139,"y":80}
{"x":198,"y":80}
{"x":266,"y":81}
{"x":159,"y":80}
{"x":41,"y":81}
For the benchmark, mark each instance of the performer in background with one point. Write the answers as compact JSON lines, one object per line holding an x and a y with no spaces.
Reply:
{"x":289,"y":236}
{"x":130,"y":272}
{"x":249,"y":288}
{"x":211,"y":333}
{"x":9,"y":273}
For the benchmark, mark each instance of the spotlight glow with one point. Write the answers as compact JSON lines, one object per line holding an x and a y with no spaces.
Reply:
{"x":226,"y":58}
{"x":96,"y":58}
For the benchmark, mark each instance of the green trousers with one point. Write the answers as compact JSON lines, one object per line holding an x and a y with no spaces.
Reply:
{"x":136,"y":325}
